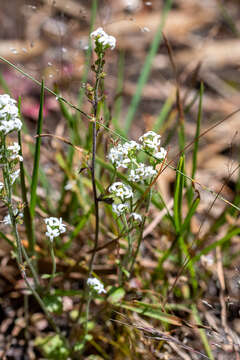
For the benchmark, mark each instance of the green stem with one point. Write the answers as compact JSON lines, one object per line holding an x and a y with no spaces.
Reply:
{"x":141,"y":230}
{"x":130,"y":242}
{"x":53,"y":266}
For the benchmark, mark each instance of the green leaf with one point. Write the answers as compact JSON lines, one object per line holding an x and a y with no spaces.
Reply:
{"x":178,"y":193}
{"x":48,"y":276}
{"x":190,"y":214}
{"x":52,"y":347}
{"x":150,"y":311}
{"x":33,"y":198}
{"x":116,"y":295}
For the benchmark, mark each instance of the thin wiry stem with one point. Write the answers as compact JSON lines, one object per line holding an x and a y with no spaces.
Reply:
{"x":53,"y":266}
{"x":93,"y":164}
{"x":95,"y":196}
{"x":141,"y":231}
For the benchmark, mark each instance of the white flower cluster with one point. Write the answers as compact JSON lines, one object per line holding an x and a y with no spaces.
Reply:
{"x":55,"y":227}
{"x":96,"y":285}
{"x":120,"y":209}
{"x":9,"y":120}
{"x":12,"y":152}
{"x":103,"y":38}
{"x":151,"y":142}
{"x":14,"y":175}
{"x":141,"y":173}
{"x":122,"y":154}
{"x":125,"y":155}
{"x":121,"y":191}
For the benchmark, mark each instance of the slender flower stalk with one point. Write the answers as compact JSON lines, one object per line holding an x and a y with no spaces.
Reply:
{"x":102,"y":42}
{"x":51,"y":245}
{"x":140,"y":237}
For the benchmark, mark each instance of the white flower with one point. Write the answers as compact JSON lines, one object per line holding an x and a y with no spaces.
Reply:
{"x":14,"y":150}
{"x":120,"y":190}
{"x":161,"y":154}
{"x":9,"y":120}
{"x":118,"y":156}
{"x":52,"y":233}
{"x":150,"y":141}
{"x":103,"y":38}
{"x":14,"y":176}
{"x":96,"y":285}
{"x":7,"y":218}
{"x":120,"y":209}
{"x":1,"y":185}
{"x":131,"y":146}
{"x":137,"y":217}
{"x":70,"y":184}
{"x":55,"y":227}
{"x":6,"y":99}
{"x":141,"y":173}
{"x":122,"y":155}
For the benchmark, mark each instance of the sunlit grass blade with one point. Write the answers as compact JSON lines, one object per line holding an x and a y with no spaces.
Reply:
{"x":76,"y":140}
{"x":163,"y":114}
{"x":178,"y":193}
{"x":231,"y":233}
{"x":146,"y":68}
{"x":26,"y":211}
{"x":149,"y":311}
{"x":33,"y":198}
{"x":28,"y":221}
{"x":202,"y":333}
{"x":190,"y":214}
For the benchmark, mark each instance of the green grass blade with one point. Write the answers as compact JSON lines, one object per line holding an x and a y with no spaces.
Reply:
{"x":146,"y":68}
{"x":213,"y":246}
{"x":33,"y":198}
{"x":26,"y":211}
{"x":184,"y":251}
{"x":181,"y":136}
{"x":178,"y":192}
{"x":163,"y":114}
{"x":148,"y":310}
{"x":202,"y":333}
{"x":190,"y":214}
